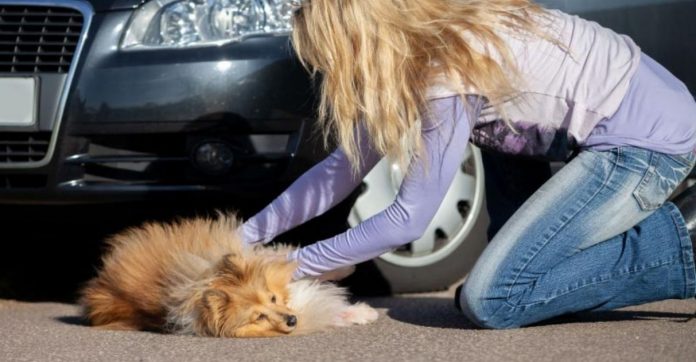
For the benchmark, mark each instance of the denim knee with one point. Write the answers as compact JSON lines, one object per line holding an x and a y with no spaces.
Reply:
{"x":486,"y":311}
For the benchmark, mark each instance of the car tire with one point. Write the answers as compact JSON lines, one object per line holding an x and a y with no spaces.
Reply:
{"x":449,"y":247}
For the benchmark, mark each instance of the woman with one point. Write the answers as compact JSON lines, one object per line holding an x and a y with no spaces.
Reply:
{"x":414,"y":80}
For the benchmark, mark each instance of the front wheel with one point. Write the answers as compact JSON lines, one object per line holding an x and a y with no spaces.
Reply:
{"x":451,"y":243}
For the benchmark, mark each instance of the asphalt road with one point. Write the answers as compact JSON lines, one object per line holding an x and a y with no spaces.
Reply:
{"x":411,"y":328}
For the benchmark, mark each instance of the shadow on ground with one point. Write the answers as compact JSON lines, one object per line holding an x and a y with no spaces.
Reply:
{"x":423,"y":311}
{"x":72,"y":320}
{"x":439,"y":312}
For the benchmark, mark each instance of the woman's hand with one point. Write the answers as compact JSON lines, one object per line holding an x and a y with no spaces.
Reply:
{"x":332,"y":275}
{"x":337,"y":274}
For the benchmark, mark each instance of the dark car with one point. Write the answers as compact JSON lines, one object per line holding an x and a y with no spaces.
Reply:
{"x":114,"y":100}
{"x":122,"y":104}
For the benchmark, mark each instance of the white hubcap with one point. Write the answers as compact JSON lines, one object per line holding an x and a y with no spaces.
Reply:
{"x":452,"y":223}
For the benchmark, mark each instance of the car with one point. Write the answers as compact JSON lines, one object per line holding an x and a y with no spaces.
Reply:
{"x":106,"y":101}
{"x":112,"y":110}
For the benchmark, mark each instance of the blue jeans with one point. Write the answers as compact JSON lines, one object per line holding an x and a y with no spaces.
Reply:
{"x":597,"y":236}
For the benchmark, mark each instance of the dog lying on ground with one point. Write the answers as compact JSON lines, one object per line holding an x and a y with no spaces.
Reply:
{"x":194,"y":276}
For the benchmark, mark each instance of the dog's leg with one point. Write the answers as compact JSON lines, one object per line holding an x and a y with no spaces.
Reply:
{"x":118,"y":326}
{"x":359,"y":313}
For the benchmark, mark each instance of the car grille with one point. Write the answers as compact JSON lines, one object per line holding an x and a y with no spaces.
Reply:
{"x":23,"y":147}
{"x":9,"y":182}
{"x":38,"y":39}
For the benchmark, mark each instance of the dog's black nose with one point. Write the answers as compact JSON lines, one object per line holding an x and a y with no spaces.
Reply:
{"x":290,"y":320}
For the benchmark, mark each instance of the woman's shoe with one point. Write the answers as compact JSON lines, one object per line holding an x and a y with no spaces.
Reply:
{"x":457,"y":293}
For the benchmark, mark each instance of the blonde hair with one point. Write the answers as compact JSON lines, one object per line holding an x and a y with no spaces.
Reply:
{"x":377,"y":58}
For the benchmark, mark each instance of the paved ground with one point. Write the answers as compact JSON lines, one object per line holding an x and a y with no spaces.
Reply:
{"x":411,"y":328}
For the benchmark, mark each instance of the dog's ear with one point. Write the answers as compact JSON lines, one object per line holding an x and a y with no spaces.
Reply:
{"x":232,"y":267}
{"x":215,"y":299}
{"x":211,"y":311}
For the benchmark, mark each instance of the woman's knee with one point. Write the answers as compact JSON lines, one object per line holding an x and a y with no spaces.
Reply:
{"x":486,"y":310}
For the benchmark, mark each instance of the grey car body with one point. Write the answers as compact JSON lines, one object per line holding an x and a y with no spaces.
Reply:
{"x":118,"y":125}
{"x":115,"y":125}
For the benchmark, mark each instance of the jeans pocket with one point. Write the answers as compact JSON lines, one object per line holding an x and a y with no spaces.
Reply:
{"x":663,"y":175}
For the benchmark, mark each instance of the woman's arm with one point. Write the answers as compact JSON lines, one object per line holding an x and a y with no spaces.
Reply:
{"x":445,"y":137}
{"x":316,"y":191}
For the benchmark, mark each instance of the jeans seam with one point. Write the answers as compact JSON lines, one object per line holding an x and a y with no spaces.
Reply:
{"x":689,"y":285}
{"x":670,"y":261}
{"x":545,"y":243}
{"x":681,"y":158}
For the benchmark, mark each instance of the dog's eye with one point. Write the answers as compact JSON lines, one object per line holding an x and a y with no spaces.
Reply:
{"x":273,"y":299}
{"x":262,"y":317}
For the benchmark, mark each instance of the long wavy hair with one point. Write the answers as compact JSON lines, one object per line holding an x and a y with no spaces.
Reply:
{"x":377,"y":58}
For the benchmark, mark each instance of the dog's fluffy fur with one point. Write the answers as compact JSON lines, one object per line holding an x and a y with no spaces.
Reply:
{"x":194,"y":277}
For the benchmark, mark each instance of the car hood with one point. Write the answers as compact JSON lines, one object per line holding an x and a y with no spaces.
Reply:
{"x":104,"y":5}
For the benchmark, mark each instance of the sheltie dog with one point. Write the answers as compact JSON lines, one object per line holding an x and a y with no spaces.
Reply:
{"x":194,"y":276}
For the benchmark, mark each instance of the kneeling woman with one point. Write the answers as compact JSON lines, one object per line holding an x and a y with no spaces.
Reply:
{"x":415,"y":80}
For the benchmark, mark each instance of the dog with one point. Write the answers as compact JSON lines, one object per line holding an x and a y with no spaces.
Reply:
{"x":194,"y":276}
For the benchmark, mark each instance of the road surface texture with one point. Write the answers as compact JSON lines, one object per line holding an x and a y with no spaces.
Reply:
{"x":411,"y":328}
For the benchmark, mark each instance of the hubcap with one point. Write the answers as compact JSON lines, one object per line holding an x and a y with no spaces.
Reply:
{"x":452,"y":223}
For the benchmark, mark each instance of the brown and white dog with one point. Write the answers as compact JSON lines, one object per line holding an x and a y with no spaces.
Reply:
{"x":194,"y":276}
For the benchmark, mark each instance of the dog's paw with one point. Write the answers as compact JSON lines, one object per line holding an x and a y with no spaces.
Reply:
{"x":359,"y":313}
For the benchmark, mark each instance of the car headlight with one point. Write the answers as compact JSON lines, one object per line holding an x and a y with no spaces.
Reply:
{"x":185,"y":23}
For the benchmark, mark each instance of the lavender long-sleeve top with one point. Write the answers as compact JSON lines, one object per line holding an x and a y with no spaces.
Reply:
{"x":657,"y":113}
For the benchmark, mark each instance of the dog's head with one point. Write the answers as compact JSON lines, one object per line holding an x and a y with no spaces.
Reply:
{"x":247,"y":298}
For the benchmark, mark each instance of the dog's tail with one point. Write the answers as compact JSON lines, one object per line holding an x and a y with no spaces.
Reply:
{"x":101,"y":308}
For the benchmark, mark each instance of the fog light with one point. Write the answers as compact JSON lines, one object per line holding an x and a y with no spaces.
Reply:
{"x":213,"y":158}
